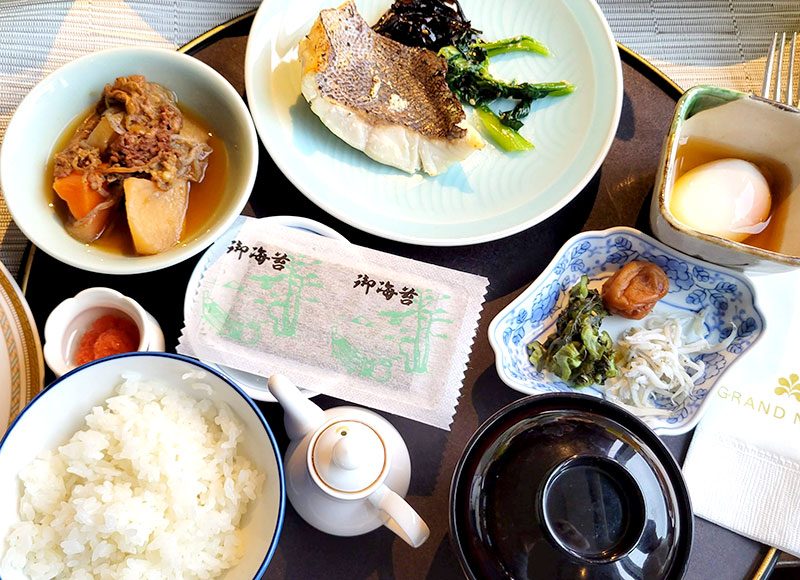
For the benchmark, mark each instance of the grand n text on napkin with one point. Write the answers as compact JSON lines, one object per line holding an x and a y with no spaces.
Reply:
{"x":743,"y":466}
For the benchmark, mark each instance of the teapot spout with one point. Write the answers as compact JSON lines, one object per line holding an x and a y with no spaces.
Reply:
{"x":301,"y":416}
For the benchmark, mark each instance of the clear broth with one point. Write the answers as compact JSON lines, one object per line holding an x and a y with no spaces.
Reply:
{"x":777,"y":236}
{"x":204,"y":196}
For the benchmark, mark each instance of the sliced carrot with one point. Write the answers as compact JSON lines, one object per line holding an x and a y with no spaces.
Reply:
{"x":80,"y":198}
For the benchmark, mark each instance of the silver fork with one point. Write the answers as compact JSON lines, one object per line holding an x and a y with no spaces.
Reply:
{"x":766,"y":88}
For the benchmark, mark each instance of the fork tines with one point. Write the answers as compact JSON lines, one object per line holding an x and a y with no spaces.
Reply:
{"x":782,"y":83}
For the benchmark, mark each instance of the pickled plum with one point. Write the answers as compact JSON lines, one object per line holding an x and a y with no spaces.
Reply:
{"x":634,"y":290}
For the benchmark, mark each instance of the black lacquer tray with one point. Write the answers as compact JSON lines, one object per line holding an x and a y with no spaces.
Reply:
{"x":617,"y":195}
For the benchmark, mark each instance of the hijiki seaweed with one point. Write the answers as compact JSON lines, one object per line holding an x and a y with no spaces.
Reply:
{"x":431,"y":24}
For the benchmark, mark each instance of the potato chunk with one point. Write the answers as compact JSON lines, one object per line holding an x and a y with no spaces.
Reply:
{"x":101,"y":135}
{"x":155,"y":217}
{"x":193,"y":132}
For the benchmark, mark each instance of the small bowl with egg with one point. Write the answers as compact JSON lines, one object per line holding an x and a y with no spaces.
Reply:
{"x":140,"y":465}
{"x":705,"y":317}
{"x":728,"y":185}
{"x":128,"y":160}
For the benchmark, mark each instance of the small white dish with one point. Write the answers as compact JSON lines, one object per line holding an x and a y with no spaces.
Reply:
{"x":695,"y":285}
{"x":491,"y":194}
{"x":755,"y":129}
{"x":70,"y":319}
{"x":66,"y":95}
{"x":254,"y":385}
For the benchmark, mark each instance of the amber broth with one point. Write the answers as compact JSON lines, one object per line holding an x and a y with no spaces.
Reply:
{"x":204,"y":197}
{"x":697,"y":151}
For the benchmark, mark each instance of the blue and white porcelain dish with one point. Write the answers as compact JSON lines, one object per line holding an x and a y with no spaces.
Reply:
{"x":728,"y":298}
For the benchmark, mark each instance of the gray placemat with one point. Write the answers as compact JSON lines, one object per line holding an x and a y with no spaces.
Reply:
{"x":720,"y":42}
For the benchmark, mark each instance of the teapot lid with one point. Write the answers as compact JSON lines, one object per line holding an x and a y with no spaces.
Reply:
{"x":348,"y":456}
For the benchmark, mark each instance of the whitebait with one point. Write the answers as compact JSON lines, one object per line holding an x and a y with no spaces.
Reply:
{"x":655,"y":362}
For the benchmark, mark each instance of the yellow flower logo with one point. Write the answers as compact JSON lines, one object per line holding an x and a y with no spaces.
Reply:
{"x":789,"y":387}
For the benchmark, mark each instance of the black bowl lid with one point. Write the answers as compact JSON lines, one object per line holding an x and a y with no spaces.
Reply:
{"x":568,"y":486}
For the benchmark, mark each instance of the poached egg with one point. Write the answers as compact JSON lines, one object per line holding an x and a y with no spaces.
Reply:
{"x":729,"y":198}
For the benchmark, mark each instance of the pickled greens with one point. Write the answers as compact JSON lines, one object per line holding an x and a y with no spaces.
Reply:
{"x":578,"y":352}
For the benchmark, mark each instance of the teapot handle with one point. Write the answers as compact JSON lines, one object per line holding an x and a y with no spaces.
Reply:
{"x":400,"y":517}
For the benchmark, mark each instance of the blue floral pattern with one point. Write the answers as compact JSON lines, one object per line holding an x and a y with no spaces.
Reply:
{"x":727,"y":298}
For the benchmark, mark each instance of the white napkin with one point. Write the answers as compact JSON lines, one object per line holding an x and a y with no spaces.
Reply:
{"x":743,"y":465}
{"x":365,"y":326}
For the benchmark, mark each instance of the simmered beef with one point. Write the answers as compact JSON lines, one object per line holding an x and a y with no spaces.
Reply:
{"x":150,"y":122}
{"x":134,"y":131}
{"x":76,"y":157}
{"x":138,"y":149}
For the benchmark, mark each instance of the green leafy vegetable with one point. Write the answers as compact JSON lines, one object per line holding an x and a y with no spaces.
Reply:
{"x":472,"y":82}
{"x":469,"y":78}
{"x":518,"y":43}
{"x":506,"y":137}
{"x":578,"y":352}
{"x":512,"y":118}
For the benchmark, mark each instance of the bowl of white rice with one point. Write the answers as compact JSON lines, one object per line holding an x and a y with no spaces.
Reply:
{"x":142,"y":465}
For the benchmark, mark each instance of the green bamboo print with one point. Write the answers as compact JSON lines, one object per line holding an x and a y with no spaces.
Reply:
{"x":226,"y":325}
{"x":287,"y":289}
{"x":423,"y":314}
{"x":281,"y":308}
{"x":357,"y":362}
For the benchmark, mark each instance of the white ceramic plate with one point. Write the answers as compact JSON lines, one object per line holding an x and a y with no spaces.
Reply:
{"x":253,"y":385}
{"x":491,"y":194}
{"x":21,"y":362}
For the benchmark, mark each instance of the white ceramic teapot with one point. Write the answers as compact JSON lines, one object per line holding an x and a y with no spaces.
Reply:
{"x":346,"y":468}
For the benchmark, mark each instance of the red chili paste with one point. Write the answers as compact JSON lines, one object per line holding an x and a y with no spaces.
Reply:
{"x":108,"y":335}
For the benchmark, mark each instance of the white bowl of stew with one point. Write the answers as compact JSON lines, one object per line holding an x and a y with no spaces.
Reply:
{"x":52,"y":113}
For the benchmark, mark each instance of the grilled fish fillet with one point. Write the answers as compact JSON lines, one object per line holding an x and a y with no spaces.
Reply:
{"x":386,"y":99}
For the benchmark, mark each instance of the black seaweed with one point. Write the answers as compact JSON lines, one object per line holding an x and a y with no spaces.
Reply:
{"x":431,"y":24}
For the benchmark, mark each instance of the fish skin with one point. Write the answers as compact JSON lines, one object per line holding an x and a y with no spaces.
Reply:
{"x":382,"y":97}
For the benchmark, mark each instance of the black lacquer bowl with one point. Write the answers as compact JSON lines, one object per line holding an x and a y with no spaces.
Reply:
{"x":568,"y":486}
